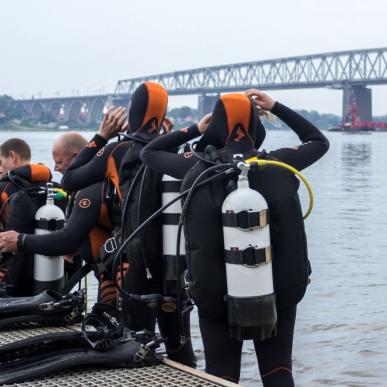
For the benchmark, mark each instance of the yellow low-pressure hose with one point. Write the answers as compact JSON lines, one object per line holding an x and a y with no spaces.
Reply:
{"x":60,"y":193}
{"x":280,"y":164}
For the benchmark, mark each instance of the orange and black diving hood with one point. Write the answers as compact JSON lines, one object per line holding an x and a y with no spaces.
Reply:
{"x":147,"y":109}
{"x":234,"y":124}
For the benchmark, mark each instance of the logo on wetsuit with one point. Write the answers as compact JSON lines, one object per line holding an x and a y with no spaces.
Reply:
{"x":100,"y":152}
{"x":84,"y":203}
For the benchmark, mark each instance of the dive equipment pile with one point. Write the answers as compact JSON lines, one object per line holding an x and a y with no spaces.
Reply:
{"x":103,"y":342}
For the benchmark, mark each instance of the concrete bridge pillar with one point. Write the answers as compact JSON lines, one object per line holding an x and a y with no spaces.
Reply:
{"x":363,"y":98}
{"x":206,"y":104}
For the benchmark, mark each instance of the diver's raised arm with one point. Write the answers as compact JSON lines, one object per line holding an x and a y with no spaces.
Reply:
{"x":159,"y":153}
{"x":314,"y":143}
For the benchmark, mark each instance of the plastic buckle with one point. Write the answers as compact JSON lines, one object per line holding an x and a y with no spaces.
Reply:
{"x":141,"y":353}
{"x":47,"y":306}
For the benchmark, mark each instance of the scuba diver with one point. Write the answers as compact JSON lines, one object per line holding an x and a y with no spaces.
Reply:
{"x":231,"y":137}
{"x":21,"y":189}
{"x":87,"y":229}
{"x":64,"y":149}
{"x":139,"y":191}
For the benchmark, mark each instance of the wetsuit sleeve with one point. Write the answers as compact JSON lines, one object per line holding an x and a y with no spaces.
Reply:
{"x":83,"y":218}
{"x":85,"y":168}
{"x":159,"y":155}
{"x":314,"y":143}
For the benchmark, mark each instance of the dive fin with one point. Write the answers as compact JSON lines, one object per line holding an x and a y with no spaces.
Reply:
{"x":41,"y":344}
{"x":129,"y":354}
{"x":46,"y":308}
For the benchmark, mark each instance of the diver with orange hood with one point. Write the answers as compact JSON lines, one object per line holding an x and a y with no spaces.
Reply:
{"x":232,"y":135}
{"x":138,"y":194}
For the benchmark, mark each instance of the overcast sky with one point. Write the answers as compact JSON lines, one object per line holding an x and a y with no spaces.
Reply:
{"x":86,"y":46}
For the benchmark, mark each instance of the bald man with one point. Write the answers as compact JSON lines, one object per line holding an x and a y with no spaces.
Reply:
{"x":66,"y":148}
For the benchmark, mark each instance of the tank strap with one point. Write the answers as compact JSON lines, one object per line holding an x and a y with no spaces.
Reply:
{"x":245,"y":219}
{"x":169,"y":219}
{"x":51,"y":224}
{"x":171,"y":186}
{"x":250,"y":257}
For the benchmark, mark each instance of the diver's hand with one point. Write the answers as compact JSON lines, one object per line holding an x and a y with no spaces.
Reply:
{"x":260,"y":99}
{"x":204,"y":122}
{"x":114,"y":121}
{"x":8,"y":241}
{"x":168,"y":124}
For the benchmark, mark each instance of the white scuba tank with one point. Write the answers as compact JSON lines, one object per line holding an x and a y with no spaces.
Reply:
{"x":248,"y":257}
{"x":170,"y":220}
{"x":48,"y":270}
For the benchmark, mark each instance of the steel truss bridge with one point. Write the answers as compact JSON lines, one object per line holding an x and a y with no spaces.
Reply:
{"x":335,"y":69}
{"x":351,"y":71}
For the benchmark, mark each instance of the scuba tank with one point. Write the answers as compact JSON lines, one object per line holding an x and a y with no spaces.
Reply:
{"x":251,"y":303}
{"x":48,"y":271}
{"x":170,"y":220}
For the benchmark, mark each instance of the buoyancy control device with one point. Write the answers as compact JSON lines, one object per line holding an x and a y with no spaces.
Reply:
{"x":251,"y":303}
{"x":48,"y":270}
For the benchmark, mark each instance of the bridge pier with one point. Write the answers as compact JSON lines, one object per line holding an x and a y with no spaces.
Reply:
{"x":363,"y":99}
{"x":206,"y":104}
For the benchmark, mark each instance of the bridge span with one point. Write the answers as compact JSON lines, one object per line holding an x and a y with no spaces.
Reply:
{"x":351,"y":71}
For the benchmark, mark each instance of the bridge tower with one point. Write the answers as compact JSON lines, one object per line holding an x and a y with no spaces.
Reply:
{"x":206,"y":104}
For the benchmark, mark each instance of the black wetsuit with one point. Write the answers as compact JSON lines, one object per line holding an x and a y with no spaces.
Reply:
{"x":222,"y":353}
{"x":314,"y":144}
{"x":96,"y":162}
{"x":19,"y":202}
{"x":86,"y":230}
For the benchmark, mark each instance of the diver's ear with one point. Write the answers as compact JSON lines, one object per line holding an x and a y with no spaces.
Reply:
{"x":13,"y":156}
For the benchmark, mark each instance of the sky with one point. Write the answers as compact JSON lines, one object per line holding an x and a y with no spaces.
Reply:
{"x":69,"y":47}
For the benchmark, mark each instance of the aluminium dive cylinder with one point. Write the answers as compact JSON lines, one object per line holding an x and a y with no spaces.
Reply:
{"x":48,"y":271}
{"x":250,"y":295}
{"x":170,"y":220}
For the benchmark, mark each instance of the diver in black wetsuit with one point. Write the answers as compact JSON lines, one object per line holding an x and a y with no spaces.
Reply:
{"x":118,"y":162}
{"x":88,"y":227}
{"x":222,"y":353}
{"x":17,"y":210}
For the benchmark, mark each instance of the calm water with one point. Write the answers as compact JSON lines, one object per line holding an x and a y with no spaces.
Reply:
{"x":341,"y":329}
